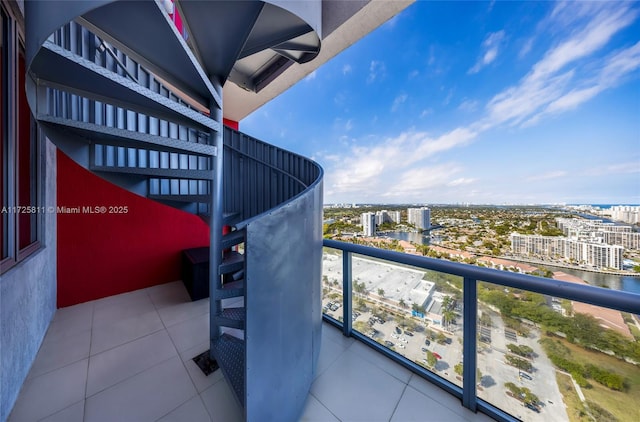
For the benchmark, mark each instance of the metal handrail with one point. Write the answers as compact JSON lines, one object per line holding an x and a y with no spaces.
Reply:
{"x":271,"y":166}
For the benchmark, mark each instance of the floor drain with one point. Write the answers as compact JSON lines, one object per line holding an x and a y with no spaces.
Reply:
{"x":205,"y":363}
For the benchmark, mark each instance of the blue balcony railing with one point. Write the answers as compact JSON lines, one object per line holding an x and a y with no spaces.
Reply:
{"x":342,"y":277}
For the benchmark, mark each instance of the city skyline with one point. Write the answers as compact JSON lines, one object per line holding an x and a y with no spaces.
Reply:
{"x":480,"y":103}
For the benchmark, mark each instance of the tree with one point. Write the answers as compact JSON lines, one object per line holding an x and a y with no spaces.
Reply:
{"x":458,"y":368}
{"x":446,"y":302}
{"x":431,"y":359}
{"x":448,"y":317}
{"x":417,"y":308}
{"x":402,"y":303}
{"x":381,"y":292}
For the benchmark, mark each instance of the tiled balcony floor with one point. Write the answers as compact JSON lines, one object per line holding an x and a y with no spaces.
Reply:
{"x":128,"y":358}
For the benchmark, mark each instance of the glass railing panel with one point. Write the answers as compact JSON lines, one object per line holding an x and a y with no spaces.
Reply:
{"x":545,"y":358}
{"x":414,"y":312}
{"x":332,"y":283}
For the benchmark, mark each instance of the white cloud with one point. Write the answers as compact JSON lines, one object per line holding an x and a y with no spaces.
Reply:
{"x":398,"y":101}
{"x":552,"y":88}
{"x":349,"y":125}
{"x":468,"y":105}
{"x":491,"y":46}
{"x":618,"y":168}
{"x":461,"y":181}
{"x":448,"y":98}
{"x":377,"y":71}
{"x":585,"y":42}
{"x":346,"y":69}
{"x":526,"y":47}
{"x":426,"y":112}
{"x":390,"y":162}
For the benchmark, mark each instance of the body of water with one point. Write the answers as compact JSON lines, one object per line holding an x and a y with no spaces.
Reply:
{"x":418,"y":238}
{"x":616,"y":282}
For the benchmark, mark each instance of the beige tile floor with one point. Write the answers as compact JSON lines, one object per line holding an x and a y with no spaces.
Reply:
{"x":128,"y":358}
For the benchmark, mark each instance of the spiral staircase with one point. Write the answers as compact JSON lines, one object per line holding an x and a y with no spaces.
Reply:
{"x":128,"y":95}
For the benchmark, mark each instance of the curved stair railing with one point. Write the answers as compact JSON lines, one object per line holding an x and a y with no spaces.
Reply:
{"x":145,"y":112}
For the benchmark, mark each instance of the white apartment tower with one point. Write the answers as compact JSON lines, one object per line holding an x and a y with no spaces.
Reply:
{"x":368,"y":220}
{"x":419,"y":217}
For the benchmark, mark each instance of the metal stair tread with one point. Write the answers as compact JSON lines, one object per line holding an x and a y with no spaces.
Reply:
{"x":231,"y":262}
{"x":126,"y":138}
{"x":231,"y":317}
{"x":180,"y":198}
{"x":229,"y":290}
{"x":63,"y":69}
{"x":233,"y":238}
{"x":157,"y":172}
{"x":229,"y":352}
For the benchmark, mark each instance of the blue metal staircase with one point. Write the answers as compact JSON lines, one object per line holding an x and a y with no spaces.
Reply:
{"x":145,"y":112}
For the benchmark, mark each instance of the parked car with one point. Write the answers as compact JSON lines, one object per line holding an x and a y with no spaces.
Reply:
{"x":437,"y":356}
{"x":424,"y":349}
{"x":532,"y":407}
{"x":388,"y":343}
{"x":526,"y":376}
{"x":398,"y":330}
{"x":427,"y":342}
{"x":409,"y":333}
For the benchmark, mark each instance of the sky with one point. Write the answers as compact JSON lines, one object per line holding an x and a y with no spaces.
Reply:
{"x":474,"y":102}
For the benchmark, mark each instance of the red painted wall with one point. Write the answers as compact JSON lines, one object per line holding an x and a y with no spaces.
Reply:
{"x":231,"y":123}
{"x":101,"y":255}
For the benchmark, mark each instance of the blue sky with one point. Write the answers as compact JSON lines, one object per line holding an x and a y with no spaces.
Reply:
{"x":474,"y":102}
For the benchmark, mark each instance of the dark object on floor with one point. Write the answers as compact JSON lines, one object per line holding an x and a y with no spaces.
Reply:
{"x":205,"y":363}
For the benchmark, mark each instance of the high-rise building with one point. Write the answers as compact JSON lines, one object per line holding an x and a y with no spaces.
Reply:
{"x":368,"y":220}
{"x":419,"y":217}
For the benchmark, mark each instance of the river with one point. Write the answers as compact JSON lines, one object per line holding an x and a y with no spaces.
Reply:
{"x":616,"y":282}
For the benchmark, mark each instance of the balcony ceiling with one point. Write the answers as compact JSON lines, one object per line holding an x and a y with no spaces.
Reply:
{"x":344,"y":23}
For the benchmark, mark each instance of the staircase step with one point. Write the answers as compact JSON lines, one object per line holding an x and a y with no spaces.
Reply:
{"x":231,"y":218}
{"x":232,"y":262}
{"x":231,"y":317}
{"x":65,"y":70}
{"x":230,"y":290}
{"x":228,"y":218}
{"x":166,"y":53}
{"x":229,"y":353}
{"x":94,"y":133}
{"x":158,"y":172}
{"x":233,"y":238}
{"x":203,"y":199}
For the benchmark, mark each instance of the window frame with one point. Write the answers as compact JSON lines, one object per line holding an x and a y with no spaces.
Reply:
{"x":13,"y":46}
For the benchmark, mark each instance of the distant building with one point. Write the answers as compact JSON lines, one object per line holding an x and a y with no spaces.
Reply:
{"x":395,"y":216}
{"x":419,"y":217}
{"x":368,"y":220}
{"x":593,"y":253}
{"x":627,"y":213}
{"x":597,"y":231}
{"x":382,"y":217}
